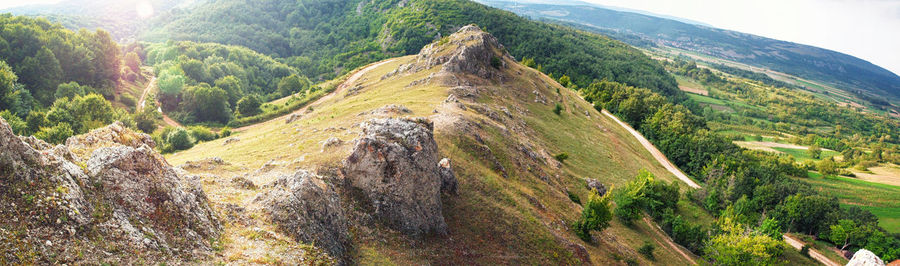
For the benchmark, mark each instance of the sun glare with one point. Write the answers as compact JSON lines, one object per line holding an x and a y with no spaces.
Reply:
{"x":144,"y":9}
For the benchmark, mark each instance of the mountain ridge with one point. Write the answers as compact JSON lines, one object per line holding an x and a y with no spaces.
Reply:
{"x":846,"y":71}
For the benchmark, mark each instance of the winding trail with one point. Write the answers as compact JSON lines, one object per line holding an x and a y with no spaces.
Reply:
{"x":150,"y":86}
{"x":654,"y":151}
{"x":678,"y":173}
{"x":341,"y":88}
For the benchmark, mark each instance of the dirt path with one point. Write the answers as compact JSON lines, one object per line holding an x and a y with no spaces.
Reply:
{"x":668,"y":240}
{"x":812,"y":252}
{"x":341,"y":88}
{"x":678,"y":173}
{"x":655,"y":152}
{"x":143,"y":100}
{"x":151,"y":86}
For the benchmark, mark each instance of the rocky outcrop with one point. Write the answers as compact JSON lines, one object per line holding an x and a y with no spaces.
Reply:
{"x":108,"y":185}
{"x":865,"y":257}
{"x":309,"y":210}
{"x":394,"y":163}
{"x":468,"y":51}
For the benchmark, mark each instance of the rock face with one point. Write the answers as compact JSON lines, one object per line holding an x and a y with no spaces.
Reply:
{"x":394,"y":163}
{"x":108,"y":185}
{"x":468,"y":51}
{"x":865,"y":258}
{"x":309,"y":210}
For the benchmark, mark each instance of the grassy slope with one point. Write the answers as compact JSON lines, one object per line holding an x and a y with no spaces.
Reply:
{"x":518,"y":219}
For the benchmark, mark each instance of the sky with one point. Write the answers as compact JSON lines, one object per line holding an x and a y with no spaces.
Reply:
{"x":13,"y":3}
{"x":868,"y":29}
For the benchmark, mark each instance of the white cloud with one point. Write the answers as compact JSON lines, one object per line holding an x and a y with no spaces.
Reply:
{"x":868,"y":29}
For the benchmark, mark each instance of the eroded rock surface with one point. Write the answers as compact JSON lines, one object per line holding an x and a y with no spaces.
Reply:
{"x":394,"y":163}
{"x":309,"y":210}
{"x":865,"y":257}
{"x":104,"y":196}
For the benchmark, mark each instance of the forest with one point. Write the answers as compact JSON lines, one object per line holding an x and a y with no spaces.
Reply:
{"x":325,"y":38}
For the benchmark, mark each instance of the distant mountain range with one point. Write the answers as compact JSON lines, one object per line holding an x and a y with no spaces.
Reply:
{"x":841,"y":70}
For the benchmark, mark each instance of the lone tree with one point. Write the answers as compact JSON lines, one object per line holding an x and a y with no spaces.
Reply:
{"x":595,"y":216}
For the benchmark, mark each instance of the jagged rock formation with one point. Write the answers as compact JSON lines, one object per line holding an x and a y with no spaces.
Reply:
{"x":865,"y":257}
{"x":309,"y":210}
{"x":468,"y":51}
{"x":105,"y":191}
{"x":394,"y":163}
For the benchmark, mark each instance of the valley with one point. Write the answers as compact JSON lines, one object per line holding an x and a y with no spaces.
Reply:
{"x":416,"y":132}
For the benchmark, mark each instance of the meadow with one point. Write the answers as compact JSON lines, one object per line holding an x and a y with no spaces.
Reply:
{"x":881,"y":199}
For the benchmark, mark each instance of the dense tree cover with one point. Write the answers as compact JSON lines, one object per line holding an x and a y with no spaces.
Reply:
{"x":204,"y":82}
{"x":739,"y":245}
{"x":56,"y":81}
{"x":44,"y":54}
{"x":748,"y":186}
{"x":324,"y":38}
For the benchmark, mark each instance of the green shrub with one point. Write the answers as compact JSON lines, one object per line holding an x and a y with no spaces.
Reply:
{"x":56,"y":134}
{"x":201,"y":133}
{"x":561,"y":157}
{"x":805,"y":250}
{"x":496,"y":63}
{"x":558,"y":109}
{"x":180,"y":139}
{"x":647,"y":250}
{"x":574,"y":198}
{"x":127,"y":100}
{"x":595,"y":216}
{"x":226,"y":131}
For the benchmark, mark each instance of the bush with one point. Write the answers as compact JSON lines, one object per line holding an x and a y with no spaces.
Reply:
{"x":180,"y":139}
{"x":558,"y":109}
{"x":57,"y":134}
{"x":574,"y":198}
{"x":561,"y":157}
{"x":226,"y":131}
{"x":595,"y":216}
{"x":249,"y":105}
{"x":805,"y":250}
{"x":201,"y":133}
{"x":647,"y":250}
{"x":127,"y":100}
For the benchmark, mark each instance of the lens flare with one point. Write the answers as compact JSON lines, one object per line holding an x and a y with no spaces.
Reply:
{"x":144,"y":9}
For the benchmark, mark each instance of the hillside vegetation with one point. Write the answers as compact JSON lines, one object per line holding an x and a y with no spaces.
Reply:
{"x":847,"y":72}
{"x":325,"y":38}
{"x":501,"y":144}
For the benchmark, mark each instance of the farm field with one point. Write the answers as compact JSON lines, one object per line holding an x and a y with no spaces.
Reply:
{"x":881,"y":199}
{"x":885,"y":173}
{"x":802,"y":155}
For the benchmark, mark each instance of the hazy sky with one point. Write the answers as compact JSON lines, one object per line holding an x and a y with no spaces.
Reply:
{"x":12,"y":3}
{"x":868,"y":29}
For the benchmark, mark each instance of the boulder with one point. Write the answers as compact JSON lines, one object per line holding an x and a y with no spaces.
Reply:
{"x":293,"y":117}
{"x":147,"y":191}
{"x":595,"y":185}
{"x":448,"y":179}
{"x":394,"y":163}
{"x":309,"y":210}
{"x":331,"y":142}
{"x":865,"y":257}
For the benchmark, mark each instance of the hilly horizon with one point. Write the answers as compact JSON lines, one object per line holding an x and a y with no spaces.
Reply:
{"x":418,"y":132}
{"x":848,"y":72}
